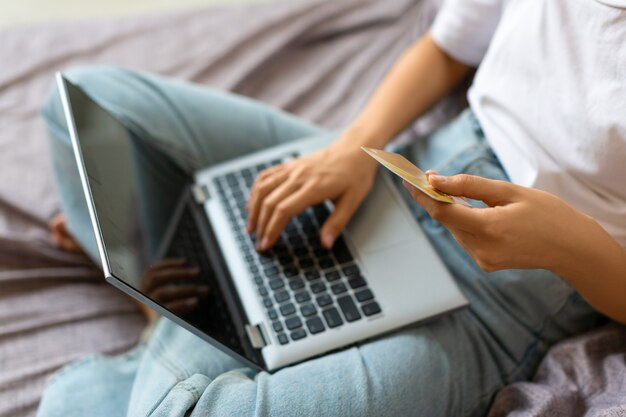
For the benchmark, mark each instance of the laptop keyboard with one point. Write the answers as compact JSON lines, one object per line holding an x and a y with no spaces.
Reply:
{"x":305,"y":288}
{"x":212,"y":316}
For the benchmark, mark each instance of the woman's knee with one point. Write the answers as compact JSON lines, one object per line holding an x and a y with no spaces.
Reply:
{"x":91,"y":80}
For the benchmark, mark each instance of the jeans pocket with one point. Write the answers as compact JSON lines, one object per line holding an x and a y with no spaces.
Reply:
{"x":182,"y":397}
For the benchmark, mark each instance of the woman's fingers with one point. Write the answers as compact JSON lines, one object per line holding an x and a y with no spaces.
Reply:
{"x":266,"y":182}
{"x":285,"y":210}
{"x":492,"y":192}
{"x":456,"y":216}
{"x":345,"y":207}
{"x":274,"y":204}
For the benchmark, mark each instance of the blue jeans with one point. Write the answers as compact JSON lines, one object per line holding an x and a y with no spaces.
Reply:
{"x":450,"y":366}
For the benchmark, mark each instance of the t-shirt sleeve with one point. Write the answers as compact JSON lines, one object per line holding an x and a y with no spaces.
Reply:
{"x":464,"y":28}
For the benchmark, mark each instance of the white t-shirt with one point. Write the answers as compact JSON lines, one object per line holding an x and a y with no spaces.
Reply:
{"x":550,"y":94}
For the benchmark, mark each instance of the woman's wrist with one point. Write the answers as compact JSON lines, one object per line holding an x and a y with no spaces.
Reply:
{"x":358,"y":135}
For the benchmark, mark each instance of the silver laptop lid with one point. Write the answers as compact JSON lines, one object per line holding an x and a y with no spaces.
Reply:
{"x":121,"y":192}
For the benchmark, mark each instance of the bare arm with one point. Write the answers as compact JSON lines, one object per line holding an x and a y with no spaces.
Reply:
{"x":529,"y":228}
{"x":423,"y":75}
{"x":342,"y":172}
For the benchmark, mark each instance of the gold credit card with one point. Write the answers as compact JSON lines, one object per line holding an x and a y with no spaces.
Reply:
{"x":403,"y":168}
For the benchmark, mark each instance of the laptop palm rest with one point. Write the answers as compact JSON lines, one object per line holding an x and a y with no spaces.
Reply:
{"x":382,"y":222}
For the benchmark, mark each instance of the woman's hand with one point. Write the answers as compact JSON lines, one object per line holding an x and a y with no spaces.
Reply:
{"x":521,"y":228}
{"x":340,"y":172}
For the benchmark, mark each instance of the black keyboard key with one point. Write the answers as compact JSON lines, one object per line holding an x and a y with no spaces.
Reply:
{"x":282,"y":339}
{"x":332,"y":276}
{"x":258,"y":279}
{"x":306,"y":263}
{"x":326,"y":263}
{"x":341,"y":251}
{"x":348,"y":308}
{"x":311,"y":275}
{"x":287,"y":309}
{"x":324,"y":300}
{"x":276,"y":283}
{"x":265,"y":259}
{"x":370,"y":309}
{"x":364,"y":295}
{"x":285,"y":260}
{"x":267,"y":302}
{"x":300,"y":251}
{"x":296,"y":284}
{"x":321,"y":213}
{"x":270,"y":271}
{"x":315,"y":325}
{"x":298,"y":334}
{"x":293,"y":322}
{"x":290,"y":271}
{"x":281,"y":296}
{"x":262,"y":291}
{"x":338,"y":288}
{"x":356,"y":282}
{"x":351,"y":269}
{"x":318,"y":287}
{"x":278,"y":326}
{"x":308,"y":310}
{"x":302,"y":297}
{"x":273,"y":315}
{"x":332,"y":317}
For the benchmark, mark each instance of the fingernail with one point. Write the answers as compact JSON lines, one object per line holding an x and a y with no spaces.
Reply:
{"x":437,"y":178}
{"x":328,"y":239}
{"x":264,"y":243}
{"x":249,"y":227}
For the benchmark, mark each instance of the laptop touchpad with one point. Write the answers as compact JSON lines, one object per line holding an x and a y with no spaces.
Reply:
{"x":381,"y":222}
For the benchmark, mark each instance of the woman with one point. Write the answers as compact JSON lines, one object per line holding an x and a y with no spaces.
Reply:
{"x":543,"y":115}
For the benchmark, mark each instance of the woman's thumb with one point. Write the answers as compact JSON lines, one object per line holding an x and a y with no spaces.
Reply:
{"x":477,"y":188}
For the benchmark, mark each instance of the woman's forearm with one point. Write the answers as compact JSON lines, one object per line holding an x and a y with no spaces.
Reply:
{"x":417,"y":80}
{"x":596,"y":268}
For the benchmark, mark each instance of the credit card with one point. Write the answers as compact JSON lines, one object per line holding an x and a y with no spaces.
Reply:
{"x":405,"y":169}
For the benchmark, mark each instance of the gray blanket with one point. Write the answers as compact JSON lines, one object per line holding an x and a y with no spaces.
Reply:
{"x":318,"y":59}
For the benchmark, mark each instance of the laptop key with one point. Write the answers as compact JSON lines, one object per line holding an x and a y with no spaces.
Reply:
{"x":306,"y":263}
{"x":338,"y":288}
{"x":326,"y":263}
{"x":287,"y":309}
{"x":351,"y":269}
{"x":315,"y":325}
{"x":276,"y":283}
{"x":267,"y":302}
{"x":271,"y":271}
{"x":370,"y":309}
{"x":341,"y":251}
{"x":308,"y":310}
{"x":302,"y":297}
{"x":311,"y":275}
{"x":348,"y":308}
{"x":273,"y":315}
{"x":262,"y":290}
{"x":298,"y":334}
{"x":283,"y":339}
{"x":324,"y":300}
{"x":296,"y":284}
{"x":281,"y":296}
{"x":278,"y":326}
{"x":332,"y":317}
{"x":332,"y":276}
{"x":318,"y":287}
{"x":364,"y":295}
{"x":290,"y":271}
{"x":356,"y":282}
{"x":293,"y":322}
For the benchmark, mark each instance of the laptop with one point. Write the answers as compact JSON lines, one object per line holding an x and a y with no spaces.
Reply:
{"x":269,"y":310}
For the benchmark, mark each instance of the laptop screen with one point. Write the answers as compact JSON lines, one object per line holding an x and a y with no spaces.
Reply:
{"x":136,"y":190}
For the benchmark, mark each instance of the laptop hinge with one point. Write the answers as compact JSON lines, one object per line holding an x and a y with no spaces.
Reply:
{"x":255,"y":335}
{"x":200,"y":193}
